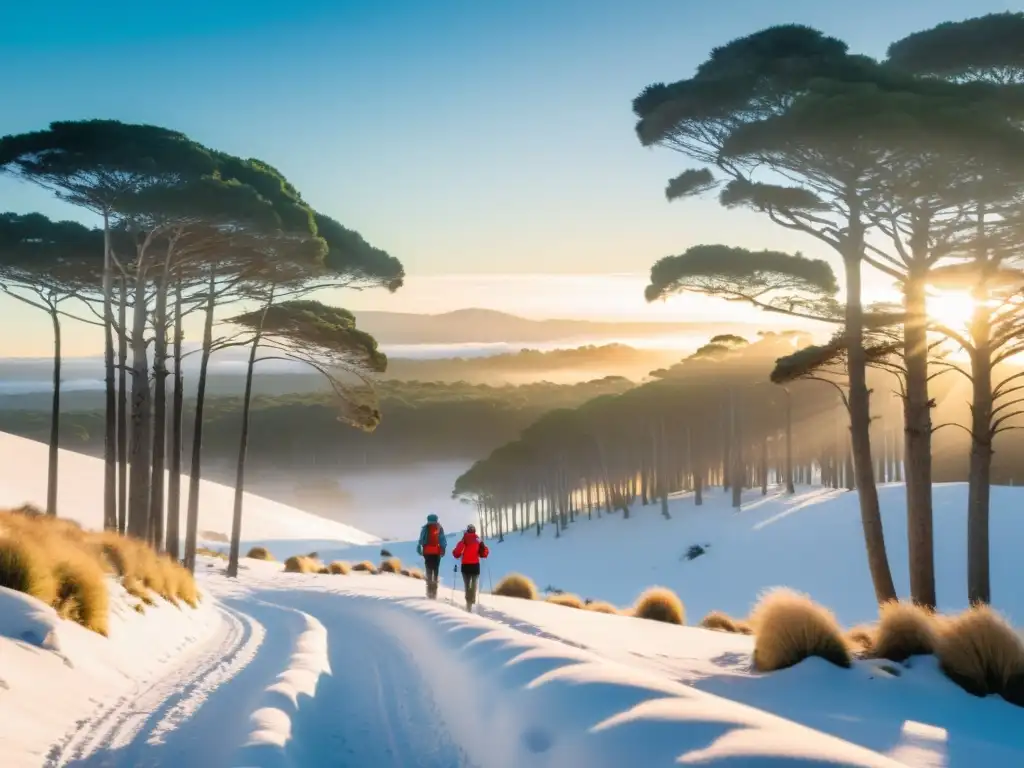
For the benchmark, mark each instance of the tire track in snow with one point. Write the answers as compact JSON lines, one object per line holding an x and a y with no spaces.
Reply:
{"x":167,"y":699}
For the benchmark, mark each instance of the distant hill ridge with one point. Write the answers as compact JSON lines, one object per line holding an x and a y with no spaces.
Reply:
{"x":488,"y":326}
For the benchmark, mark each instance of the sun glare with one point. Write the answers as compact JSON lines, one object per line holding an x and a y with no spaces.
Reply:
{"x":951,"y":308}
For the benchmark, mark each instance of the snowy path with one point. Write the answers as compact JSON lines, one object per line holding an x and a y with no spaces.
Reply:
{"x":360,"y":675}
{"x":273,"y":688}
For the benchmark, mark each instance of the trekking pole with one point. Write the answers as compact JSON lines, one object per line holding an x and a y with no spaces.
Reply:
{"x":455,"y":570}
{"x":490,"y":583}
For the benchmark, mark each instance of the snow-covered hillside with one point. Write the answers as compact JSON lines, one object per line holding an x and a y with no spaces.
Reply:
{"x":276,"y":670}
{"x":80,"y":498}
{"x":812,"y":542}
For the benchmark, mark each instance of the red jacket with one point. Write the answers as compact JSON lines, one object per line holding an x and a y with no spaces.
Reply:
{"x":470,"y":549}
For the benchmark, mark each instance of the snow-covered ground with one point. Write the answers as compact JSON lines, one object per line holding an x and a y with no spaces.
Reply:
{"x":812,"y":542}
{"x":295,"y":670}
{"x":277,"y":670}
{"x":80,"y":497}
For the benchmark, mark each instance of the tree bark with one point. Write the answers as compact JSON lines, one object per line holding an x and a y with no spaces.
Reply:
{"x":737,"y":454}
{"x":196,"y":469}
{"x":860,"y":416}
{"x":980,"y":473}
{"x":156,"y":497}
{"x":174,"y":475}
{"x":141,"y":418}
{"x":54,"y":448}
{"x":122,"y":408}
{"x":110,"y":431}
{"x":918,"y":445}
{"x":243,"y":447}
{"x":790,"y":489}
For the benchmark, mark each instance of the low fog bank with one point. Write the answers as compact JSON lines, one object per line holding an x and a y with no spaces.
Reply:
{"x":391,"y":503}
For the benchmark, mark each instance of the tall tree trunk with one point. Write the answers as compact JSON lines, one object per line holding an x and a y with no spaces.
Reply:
{"x":196,"y":468}
{"x":141,"y":418}
{"x":789,"y":442}
{"x":860,"y":416}
{"x":243,"y":447}
{"x":122,"y":407}
{"x":54,"y":448}
{"x":109,"y":427}
{"x":174,"y":475}
{"x":156,"y":496}
{"x":982,"y":434}
{"x":918,"y":446}
{"x":737,"y":454}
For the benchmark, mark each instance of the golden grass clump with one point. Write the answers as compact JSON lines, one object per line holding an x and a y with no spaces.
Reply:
{"x":260,"y":553}
{"x":365,"y":566}
{"x":861,"y":639}
{"x":516,"y":585}
{"x":565,"y":599}
{"x":391,"y":565}
{"x":301,"y":564}
{"x":904,"y":630}
{"x":723,"y":622}
{"x":979,"y":651}
{"x":339,"y":568}
{"x":791,"y":627}
{"x":25,"y":567}
{"x":660,"y":604}
{"x":58,"y":562}
{"x":599,"y":606}
{"x":137,"y":589}
{"x":416,"y":573}
{"x":323,"y":570}
{"x":82,"y":594}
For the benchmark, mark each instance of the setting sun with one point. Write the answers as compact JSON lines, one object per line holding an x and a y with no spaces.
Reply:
{"x":951,"y":308}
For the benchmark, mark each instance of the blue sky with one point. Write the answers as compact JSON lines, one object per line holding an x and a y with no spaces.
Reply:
{"x":464,"y":136}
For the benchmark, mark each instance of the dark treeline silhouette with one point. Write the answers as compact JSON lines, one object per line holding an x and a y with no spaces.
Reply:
{"x":421,"y":421}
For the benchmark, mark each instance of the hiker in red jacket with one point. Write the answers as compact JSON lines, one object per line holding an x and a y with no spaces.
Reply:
{"x":470,"y":549}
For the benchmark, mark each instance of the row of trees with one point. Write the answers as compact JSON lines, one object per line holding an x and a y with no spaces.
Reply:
{"x":711,"y":420}
{"x":182,"y":229}
{"x":913,"y":167}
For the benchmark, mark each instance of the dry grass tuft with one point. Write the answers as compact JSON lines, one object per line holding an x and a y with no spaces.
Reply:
{"x":260,"y":553}
{"x":339,"y":568}
{"x":791,"y":627}
{"x":979,"y":651}
{"x":25,"y":567}
{"x":301,"y":564}
{"x":82,"y":594}
{"x":861,"y":639}
{"x":58,"y":562}
{"x":137,"y":589}
{"x":660,"y":604}
{"x":904,"y":630}
{"x":139,"y":608}
{"x":416,"y":573}
{"x":565,"y":599}
{"x":324,"y":570}
{"x":365,"y":566}
{"x":599,"y":606}
{"x":516,"y":585}
{"x":723,"y":622}
{"x":211,"y":553}
{"x":391,"y":565}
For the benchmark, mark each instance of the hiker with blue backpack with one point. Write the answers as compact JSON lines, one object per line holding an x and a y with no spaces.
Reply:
{"x":431,"y":547}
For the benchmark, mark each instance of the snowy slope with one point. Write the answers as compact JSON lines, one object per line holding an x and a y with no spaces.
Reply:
{"x":80,"y":494}
{"x":812,"y":542}
{"x":361,"y":670}
{"x":53,"y":673}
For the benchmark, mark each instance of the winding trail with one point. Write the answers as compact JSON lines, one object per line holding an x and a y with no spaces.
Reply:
{"x":272,"y":688}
